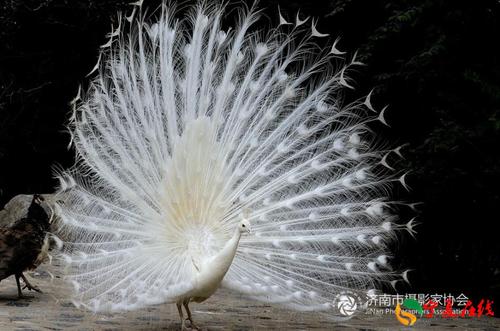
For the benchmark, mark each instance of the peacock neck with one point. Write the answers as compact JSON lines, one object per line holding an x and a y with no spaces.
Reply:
{"x":221,"y":262}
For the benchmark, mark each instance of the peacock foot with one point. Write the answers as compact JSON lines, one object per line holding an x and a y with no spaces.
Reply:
{"x":192,"y":325}
{"x":32,"y":288}
{"x":29,"y":286}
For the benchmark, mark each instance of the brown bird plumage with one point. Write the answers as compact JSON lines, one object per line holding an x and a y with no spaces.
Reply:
{"x":24,"y":245}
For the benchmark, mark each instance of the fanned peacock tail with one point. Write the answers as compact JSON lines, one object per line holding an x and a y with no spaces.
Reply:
{"x":186,"y":129}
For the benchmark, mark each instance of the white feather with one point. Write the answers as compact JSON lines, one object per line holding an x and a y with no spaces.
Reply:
{"x":190,"y":129}
{"x":282,"y":19}
{"x":315,"y":32}
{"x":94,"y":69}
{"x":335,"y":50}
{"x":381,"y":116}
{"x":368,"y":102}
{"x":299,"y":22}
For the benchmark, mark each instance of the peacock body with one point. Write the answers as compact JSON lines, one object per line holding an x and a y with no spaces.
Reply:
{"x":188,"y":135}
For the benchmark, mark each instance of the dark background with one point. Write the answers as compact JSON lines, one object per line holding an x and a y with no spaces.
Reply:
{"x":436,"y":64}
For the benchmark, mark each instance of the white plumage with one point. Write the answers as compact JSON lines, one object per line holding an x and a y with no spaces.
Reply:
{"x":189,"y":134}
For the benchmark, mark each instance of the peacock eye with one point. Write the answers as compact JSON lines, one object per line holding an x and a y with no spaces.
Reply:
{"x":243,"y":225}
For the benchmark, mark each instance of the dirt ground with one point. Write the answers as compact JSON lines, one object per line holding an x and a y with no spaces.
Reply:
{"x":52,"y":310}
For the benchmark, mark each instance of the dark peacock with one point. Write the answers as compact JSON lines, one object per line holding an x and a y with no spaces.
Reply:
{"x":24,"y":244}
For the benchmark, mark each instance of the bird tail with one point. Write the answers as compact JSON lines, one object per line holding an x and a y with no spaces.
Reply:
{"x":186,"y":127}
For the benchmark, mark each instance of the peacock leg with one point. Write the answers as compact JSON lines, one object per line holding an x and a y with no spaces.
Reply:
{"x":190,"y":317}
{"x":29,"y":286}
{"x":179,"y":308}
{"x":19,"y":292}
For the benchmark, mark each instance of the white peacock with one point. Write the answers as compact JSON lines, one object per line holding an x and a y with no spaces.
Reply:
{"x":188,"y":134}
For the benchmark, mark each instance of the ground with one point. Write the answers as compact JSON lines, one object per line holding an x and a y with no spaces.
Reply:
{"x":52,"y":310}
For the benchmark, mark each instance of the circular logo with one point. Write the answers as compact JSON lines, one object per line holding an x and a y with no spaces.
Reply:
{"x":347,"y":303}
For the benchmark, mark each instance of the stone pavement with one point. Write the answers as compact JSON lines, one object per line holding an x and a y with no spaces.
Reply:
{"x":52,"y":310}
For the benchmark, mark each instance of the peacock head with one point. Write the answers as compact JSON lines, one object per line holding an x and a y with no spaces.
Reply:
{"x":244,"y":226}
